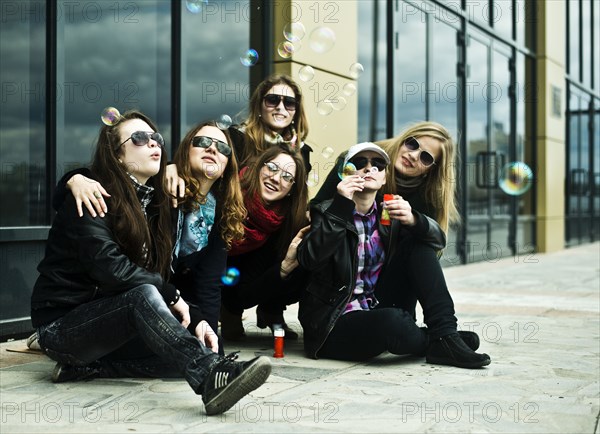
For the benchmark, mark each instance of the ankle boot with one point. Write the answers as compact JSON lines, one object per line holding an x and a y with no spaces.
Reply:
{"x":451,"y":350}
{"x":63,"y":373}
{"x":470,"y":338}
{"x":232,"y":328}
{"x":267,"y":319}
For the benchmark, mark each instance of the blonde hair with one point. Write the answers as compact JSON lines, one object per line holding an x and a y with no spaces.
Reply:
{"x":440,"y":182}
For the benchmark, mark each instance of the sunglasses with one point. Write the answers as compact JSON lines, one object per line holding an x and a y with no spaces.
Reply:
{"x":285,"y":175}
{"x":289,"y":102}
{"x":425,"y":157}
{"x":205,"y":142}
{"x":361,"y":162}
{"x":142,"y":138}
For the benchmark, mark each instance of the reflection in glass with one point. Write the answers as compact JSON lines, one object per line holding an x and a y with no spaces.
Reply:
{"x":501,"y":14}
{"x":409,"y":70}
{"x":573,"y":32}
{"x":213,"y":81}
{"x":118,"y":56}
{"x":372,"y":54}
{"x":586,"y":38}
{"x":478,"y":10}
{"x":22,"y":111}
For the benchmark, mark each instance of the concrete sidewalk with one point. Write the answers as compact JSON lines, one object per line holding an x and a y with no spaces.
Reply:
{"x":538,"y":317}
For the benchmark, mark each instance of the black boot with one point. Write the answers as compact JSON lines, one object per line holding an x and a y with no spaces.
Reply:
{"x":451,"y":350}
{"x":232,"y":328}
{"x":264,"y":319}
{"x":63,"y":373}
{"x":470,"y":338}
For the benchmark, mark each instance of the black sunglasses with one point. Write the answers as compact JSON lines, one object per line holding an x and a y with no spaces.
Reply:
{"x":285,"y":175}
{"x":205,"y":142}
{"x":142,"y":138}
{"x":361,"y":162}
{"x":289,"y":102}
{"x":425,"y":157}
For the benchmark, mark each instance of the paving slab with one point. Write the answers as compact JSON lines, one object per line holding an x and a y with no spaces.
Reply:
{"x":538,"y":317}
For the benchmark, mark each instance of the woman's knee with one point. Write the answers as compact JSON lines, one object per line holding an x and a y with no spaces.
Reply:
{"x":146,"y":293}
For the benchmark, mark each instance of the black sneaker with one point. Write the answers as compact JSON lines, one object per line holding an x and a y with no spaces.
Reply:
{"x":451,"y":350}
{"x":63,"y":373}
{"x":470,"y":338}
{"x":229,"y":381}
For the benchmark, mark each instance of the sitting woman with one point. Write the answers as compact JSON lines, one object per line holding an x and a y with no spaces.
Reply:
{"x":275,"y":196}
{"x":102,"y":305}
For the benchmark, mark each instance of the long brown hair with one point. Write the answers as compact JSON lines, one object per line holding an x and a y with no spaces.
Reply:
{"x":256,"y":128}
{"x":146,"y":243}
{"x":440,"y":182}
{"x":226,"y":189}
{"x":294,"y":206}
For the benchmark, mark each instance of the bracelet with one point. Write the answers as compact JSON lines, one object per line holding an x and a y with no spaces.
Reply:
{"x":176,"y":299}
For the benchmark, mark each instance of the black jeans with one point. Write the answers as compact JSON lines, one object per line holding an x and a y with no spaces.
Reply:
{"x":363,"y":334}
{"x":414,"y":274}
{"x":130,"y":334}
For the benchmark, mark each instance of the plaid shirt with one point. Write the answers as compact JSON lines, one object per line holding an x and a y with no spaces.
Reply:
{"x":144,"y":193}
{"x":371,"y":256}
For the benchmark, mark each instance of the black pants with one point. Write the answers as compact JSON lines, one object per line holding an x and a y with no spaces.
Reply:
{"x":412,"y":274}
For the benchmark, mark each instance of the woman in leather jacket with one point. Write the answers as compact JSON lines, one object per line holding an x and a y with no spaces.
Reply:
{"x":349,"y":256}
{"x":103,"y":288}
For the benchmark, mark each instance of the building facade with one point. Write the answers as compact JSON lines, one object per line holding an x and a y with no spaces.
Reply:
{"x":513,"y":80}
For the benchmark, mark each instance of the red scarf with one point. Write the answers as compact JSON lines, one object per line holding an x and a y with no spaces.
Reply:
{"x":258,"y":226}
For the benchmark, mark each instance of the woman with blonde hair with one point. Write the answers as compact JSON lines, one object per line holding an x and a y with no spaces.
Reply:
{"x":422,"y":180}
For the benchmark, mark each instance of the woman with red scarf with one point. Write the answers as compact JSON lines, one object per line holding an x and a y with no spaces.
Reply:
{"x":275,"y":196}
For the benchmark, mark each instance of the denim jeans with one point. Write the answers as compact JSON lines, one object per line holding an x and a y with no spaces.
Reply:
{"x":130,"y":334}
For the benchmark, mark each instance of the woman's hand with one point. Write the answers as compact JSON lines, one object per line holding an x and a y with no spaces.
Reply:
{"x":181,"y":310}
{"x":207,"y":336}
{"x":349,"y":185}
{"x":400,"y":210}
{"x":88,"y":192}
{"x":290,"y":262}
{"x":175,"y":184}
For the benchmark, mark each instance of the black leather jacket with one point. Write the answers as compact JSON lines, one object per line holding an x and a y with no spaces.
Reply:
{"x":329,"y":253}
{"x":83,"y":263}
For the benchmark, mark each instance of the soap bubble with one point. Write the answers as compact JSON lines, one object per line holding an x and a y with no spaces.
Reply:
{"x":294,"y":32}
{"x":325,"y":107}
{"x":231,"y":276}
{"x":224,"y":122}
{"x":306,"y":73}
{"x":356,"y":70}
{"x":249,"y":58}
{"x":349,"y":89}
{"x":285,"y":49}
{"x":312,"y":180}
{"x":322,"y":39}
{"x":327,"y":152}
{"x":110,"y":116}
{"x":195,"y":6}
{"x":347,"y":169}
{"x":339,"y":103}
{"x":515,"y":178}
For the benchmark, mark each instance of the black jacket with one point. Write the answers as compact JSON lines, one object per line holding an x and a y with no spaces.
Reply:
{"x":82,"y":263}
{"x":329,"y":253}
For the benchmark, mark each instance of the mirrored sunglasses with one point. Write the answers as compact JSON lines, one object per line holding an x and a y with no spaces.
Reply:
{"x":285,"y":175}
{"x":425,"y":157}
{"x":142,"y":138}
{"x":272,"y":100}
{"x":361,"y":162}
{"x":205,"y":142}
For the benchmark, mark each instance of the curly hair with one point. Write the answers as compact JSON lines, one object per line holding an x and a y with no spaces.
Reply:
{"x":226,"y":189}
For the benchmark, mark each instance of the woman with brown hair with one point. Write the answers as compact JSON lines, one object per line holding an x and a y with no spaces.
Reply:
{"x":103,"y":288}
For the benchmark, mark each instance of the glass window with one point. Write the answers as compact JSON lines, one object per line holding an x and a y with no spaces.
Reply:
{"x":109,"y":54}
{"x":501,"y":15}
{"x":573,"y":33}
{"x":443,"y":87}
{"x":409,"y":69}
{"x":478,"y":10}
{"x":22,"y":114}
{"x":596,"y":41}
{"x":214,"y":80}
{"x":586,"y":38}
{"x":372,"y":54}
